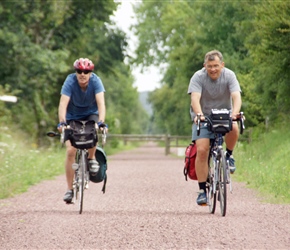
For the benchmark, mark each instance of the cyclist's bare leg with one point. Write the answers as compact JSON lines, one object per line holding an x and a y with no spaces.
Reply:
{"x":232,"y":137}
{"x":70,"y":159}
{"x":201,"y":162}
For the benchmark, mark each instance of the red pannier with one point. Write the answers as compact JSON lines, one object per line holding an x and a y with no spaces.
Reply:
{"x":189,"y":162}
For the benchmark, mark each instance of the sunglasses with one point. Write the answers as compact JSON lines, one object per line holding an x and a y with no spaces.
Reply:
{"x":79,"y":71}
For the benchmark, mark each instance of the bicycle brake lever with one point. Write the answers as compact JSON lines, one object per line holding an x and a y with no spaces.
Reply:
{"x":198,"y":124}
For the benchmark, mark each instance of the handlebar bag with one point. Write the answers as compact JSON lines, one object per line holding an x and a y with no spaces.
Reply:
{"x":83,"y":134}
{"x":220,"y":121}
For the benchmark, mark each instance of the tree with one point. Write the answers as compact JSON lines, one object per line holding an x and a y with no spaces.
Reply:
{"x":181,"y":43}
{"x":253,"y":37}
{"x":40,"y":40}
{"x":269,"y":46}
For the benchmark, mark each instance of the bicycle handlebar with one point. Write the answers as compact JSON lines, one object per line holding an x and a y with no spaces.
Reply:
{"x":239,"y":118}
{"x":61,"y":135}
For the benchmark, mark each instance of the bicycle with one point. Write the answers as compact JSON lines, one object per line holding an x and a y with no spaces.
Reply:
{"x":81,"y":166}
{"x":219,"y":173}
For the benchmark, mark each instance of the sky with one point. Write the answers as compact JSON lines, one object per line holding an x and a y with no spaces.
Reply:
{"x":124,"y":17}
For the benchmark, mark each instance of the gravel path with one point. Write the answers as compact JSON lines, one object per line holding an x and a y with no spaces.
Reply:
{"x":147,"y":205}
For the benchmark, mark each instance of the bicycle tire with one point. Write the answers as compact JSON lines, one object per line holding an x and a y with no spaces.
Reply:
{"x":76,"y":187}
{"x":76,"y":180}
{"x":222,"y":184}
{"x":82,"y":172}
{"x":211,"y":194}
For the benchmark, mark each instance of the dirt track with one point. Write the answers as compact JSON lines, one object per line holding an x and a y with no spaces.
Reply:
{"x":147,"y":205}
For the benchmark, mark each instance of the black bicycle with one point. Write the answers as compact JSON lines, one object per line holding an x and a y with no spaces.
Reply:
{"x":81,"y":166}
{"x":219,"y":172}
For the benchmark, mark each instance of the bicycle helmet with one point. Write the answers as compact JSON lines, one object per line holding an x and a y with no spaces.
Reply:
{"x":84,"y":64}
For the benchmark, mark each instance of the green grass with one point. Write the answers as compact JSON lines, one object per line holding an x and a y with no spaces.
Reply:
{"x":265,"y":165}
{"x":22,"y":165}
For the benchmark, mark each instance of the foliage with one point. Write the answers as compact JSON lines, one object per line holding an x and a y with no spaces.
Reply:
{"x":22,"y":164}
{"x":124,"y":112}
{"x":40,"y":40}
{"x":269,"y":43}
{"x":256,"y":47}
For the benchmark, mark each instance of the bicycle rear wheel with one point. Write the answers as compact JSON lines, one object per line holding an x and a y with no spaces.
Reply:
{"x":211,"y":191}
{"x":222,"y":195}
{"x":82,"y":172}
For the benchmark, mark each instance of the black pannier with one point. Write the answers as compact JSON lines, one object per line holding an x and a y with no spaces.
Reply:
{"x":82,"y":134}
{"x":220,"y":121}
{"x":101,"y":157}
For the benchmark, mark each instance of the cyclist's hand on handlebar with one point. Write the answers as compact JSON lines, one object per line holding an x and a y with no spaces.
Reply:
{"x":238,"y":116}
{"x":60,"y":126}
{"x":200,"y":117}
{"x":102,"y":126}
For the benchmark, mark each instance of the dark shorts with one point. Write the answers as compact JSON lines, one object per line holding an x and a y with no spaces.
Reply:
{"x":88,"y":118}
{"x":204,"y":133}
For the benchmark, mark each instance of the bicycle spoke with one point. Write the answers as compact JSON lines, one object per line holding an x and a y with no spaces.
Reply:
{"x":211,"y":188}
{"x":82,"y":172}
{"x":223,"y":184}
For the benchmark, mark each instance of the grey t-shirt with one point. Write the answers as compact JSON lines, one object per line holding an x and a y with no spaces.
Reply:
{"x":215,"y":94}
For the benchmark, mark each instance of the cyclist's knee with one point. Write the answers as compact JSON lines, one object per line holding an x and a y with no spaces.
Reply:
{"x":202,"y":149}
{"x":234,"y":134}
{"x":70,"y":151}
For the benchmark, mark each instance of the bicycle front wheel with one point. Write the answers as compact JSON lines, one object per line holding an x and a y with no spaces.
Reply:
{"x":82,"y":172}
{"x":76,"y":178}
{"x":222,"y":195}
{"x":210,"y":188}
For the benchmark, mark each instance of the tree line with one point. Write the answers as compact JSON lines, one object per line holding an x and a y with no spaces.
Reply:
{"x":254,"y":37}
{"x":40,"y":40}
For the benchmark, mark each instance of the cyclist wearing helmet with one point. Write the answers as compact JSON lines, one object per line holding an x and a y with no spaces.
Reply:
{"x":82,"y":98}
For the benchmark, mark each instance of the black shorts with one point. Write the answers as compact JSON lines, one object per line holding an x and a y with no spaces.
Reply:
{"x":88,"y":118}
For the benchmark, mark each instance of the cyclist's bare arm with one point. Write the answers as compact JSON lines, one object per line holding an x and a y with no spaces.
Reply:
{"x":63,"y":103}
{"x":195,"y":104}
{"x":237,"y":104}
{"x":100,"y":100}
